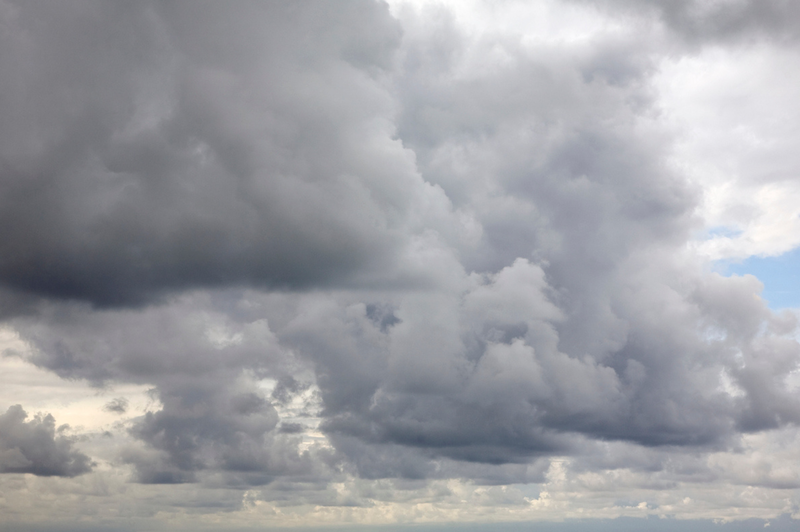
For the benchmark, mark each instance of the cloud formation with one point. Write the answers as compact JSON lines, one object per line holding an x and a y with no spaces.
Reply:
{"x":146,"y":150}
{"x":362,"y":252}
{"x":37,"y":447}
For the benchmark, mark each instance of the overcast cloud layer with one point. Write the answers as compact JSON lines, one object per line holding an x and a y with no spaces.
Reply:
{"x":336,"y":262}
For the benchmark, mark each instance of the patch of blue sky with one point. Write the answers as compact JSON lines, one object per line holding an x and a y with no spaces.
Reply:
{"x":780,"y":275}
{"x":721,"y":231}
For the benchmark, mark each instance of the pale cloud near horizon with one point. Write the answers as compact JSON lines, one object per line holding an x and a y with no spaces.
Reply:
{"x":311,"y":263}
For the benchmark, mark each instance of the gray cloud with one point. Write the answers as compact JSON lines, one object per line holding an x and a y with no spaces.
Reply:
{"x":729,"y":20}
{"x":117,"y":406}
{"x":213,"y":418}
{"x":151,"y":148}
{"x":611,"y":333}
{"x":37,"y":446}
{"x":479,"y":263}
{"x":200,"y":429}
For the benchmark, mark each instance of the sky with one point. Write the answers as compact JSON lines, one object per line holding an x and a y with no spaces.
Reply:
{"x":416,"y":265}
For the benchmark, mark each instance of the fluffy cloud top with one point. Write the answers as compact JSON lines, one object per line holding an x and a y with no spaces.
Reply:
{"x":37,"y":447}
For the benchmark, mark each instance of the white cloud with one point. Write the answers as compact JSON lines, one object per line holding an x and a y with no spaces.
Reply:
{"x":735,"y":115}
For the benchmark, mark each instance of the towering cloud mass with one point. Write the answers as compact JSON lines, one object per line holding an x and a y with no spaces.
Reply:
{"x":342,"y":243}
{"x":156,"y":148}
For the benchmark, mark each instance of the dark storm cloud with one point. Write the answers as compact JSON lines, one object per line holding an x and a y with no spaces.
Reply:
{"x":255,"y":144}
{"x":37,"y":447}
{"x":193,"y":338}
{"x":151,"y":147}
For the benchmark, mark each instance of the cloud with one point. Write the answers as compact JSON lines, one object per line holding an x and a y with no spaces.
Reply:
{"x":212,"y":418}
{"x":146,"y":150}
{"x":488,"y":383}
{"x":225,"y":430}
{"x":367,"y":256}
{"x":117,"y":406}
{"x":700,"y":21}
{"x":581,"y":322}
{"x":37,"y":447}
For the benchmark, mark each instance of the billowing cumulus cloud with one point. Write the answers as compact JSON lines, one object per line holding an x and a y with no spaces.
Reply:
{"x":37,"y":447}
{"x":153,"y":148}
{"x":377,"y":262}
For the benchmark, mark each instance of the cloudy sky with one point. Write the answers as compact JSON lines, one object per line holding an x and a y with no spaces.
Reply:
{"x":311,"y":264}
